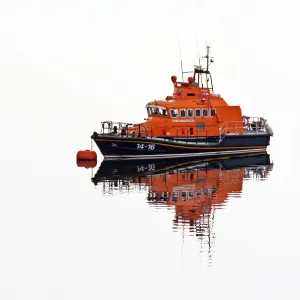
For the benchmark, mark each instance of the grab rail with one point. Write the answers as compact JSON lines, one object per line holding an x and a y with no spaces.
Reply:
{"x":248,"y":125}
{"x":115,"y":128}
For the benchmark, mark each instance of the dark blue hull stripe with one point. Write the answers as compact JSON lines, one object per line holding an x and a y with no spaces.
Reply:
{"x":146,"y":148}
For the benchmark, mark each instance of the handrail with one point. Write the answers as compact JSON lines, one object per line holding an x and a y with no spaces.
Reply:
{"x":256,"y":124}
{"x":114,"y":128}
{"x":248,"y":125}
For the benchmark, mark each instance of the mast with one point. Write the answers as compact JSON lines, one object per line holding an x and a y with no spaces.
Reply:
{"x":201,"y":71}
{"x":208,"y":76}
{"x":207,"y":64}
{"x":207,"y":61}
{"x":199,"y":74}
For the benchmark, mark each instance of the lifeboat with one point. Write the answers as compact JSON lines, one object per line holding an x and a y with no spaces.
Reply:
{"x":193,"y":122}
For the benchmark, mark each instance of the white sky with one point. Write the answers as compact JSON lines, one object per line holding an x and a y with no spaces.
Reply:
{"x":98,"y":52}
{"x":86,"y":61}
{"x":67,"y":65}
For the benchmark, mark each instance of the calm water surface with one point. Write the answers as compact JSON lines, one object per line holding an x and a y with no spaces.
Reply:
{"x":213,"y":229}
{"x":191,"y":190}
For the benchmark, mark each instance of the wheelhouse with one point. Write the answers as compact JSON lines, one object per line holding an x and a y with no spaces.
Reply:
{"x":154,"y":111}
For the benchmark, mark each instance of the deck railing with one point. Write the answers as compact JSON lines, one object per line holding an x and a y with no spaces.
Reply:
{"x":248,"y":125}
{"x":114,"y":128}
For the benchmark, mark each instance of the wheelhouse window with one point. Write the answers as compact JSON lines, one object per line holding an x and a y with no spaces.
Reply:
{"x":198,"y":193}
{"x":154,"y":111}
{"x":212,"y":112}
{"x":197,"y":113}
{"x":157,"y":111}
{"x":182,"y":113}
{"x":174,"y":113}
{"x":190,"y":113}
{"x":163,"y":112}
{"x":174,"y":197}
{"x":204,"y":112}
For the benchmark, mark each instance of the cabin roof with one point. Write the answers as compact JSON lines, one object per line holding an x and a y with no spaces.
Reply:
{"x":189,"y":103}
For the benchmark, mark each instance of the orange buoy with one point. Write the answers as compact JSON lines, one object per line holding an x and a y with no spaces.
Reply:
{"x":86,"y":155}
{"x":87,"y":163}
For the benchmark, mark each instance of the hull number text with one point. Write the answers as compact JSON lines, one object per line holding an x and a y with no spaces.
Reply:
{"x":145,"y":146}
{"x":143,"y":168}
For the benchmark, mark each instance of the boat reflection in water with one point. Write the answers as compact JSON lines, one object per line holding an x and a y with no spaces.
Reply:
{"x":194,"y":188}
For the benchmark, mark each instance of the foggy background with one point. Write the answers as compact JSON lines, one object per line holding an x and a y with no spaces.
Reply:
{"x":65,"y":66}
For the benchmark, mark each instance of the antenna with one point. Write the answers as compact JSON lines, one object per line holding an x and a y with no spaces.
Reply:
{"x":199,"y":61}
{"x":207,"y":60}
{"x":180,"y":55}
{"x":207,"y":57}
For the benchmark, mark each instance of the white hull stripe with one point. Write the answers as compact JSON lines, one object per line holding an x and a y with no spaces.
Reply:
{"x":155,"y":156}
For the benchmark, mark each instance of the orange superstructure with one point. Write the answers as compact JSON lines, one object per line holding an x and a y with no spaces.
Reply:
{"x":193,"y":110}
